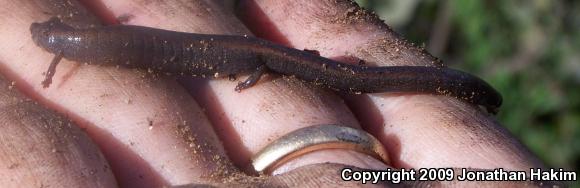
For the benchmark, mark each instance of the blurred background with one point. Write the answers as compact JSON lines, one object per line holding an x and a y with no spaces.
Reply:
{"x":527,"y":49}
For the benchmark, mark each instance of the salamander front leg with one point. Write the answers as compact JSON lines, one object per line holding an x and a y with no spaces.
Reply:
{"x":51,"y":70}
{"x":253,"y":79}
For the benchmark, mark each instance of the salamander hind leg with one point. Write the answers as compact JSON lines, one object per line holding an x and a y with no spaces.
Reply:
{"x":253,"y":79}
{"x":51,"y":70}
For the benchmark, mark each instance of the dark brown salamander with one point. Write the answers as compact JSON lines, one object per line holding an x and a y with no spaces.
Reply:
{"x":220,"y":55}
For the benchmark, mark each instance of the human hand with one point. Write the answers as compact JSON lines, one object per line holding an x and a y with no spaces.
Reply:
{"x":154,"y":133}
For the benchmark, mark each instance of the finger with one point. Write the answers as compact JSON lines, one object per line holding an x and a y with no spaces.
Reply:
{"x":418,"y":130}
{"x":40,"y":149}
{"x":305,"y":176}
{"x":249,"y":120}
{"x":150,"y":130}
{"x":326,"y":174}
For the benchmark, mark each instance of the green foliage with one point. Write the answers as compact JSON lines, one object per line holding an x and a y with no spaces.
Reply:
{"x":528,"y":50}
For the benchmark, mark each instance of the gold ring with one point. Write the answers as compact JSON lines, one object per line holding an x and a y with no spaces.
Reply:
{"x":318,"y":137}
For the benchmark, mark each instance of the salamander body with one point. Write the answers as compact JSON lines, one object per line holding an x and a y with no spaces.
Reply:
{"x":223,"y":55}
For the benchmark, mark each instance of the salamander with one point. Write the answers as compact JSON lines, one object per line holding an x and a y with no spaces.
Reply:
{"x":224,"y":55}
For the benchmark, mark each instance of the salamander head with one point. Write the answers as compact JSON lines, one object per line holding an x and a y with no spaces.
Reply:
{"x":45,"y":34}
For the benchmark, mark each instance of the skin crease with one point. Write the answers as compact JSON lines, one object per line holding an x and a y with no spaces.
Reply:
{"x":127,"y":115}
